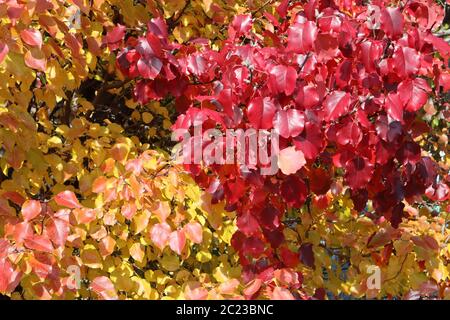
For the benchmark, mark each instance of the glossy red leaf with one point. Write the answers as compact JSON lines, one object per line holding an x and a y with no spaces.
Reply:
{"x":149,"y":68}
{"x":158,"y":27}
{"x":392,"y":21}
{"x":241,"y":25}
{"x":414,"y":93}
{"x":406,"y":61}
{"x":349,"y":134}
{"x":10,"y":276}
{"x":283,"y":79}
{"x":307,"y":97}
{"x":269,"y":218}
{"x":336,"y":105}
{"x":311,"y":141}
{"x":260,"y":112}
{"x":358,"y":172}
{"x":22,"y":231}
{"x":301,"y":37}
{"x":394,"y":106}
{"x":289,"y":123}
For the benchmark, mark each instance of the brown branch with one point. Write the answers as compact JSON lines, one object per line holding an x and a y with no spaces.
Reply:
{"x":262,"y":7}
{"x":399,"y":271}
{"x":173,"y":21}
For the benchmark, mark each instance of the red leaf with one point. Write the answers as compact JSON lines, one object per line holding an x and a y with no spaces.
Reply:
{"x":58,"y":231}
{"x":349,"y":134}
{"x":158,"y":27}
{"x":149,"y":68}
{"x":307,"y":97}
{"x":394,"y":106}
{"x":67,"y":199}
{"x":414,"y":93}
{"x":247,"y":224}
{"x":392,"y":22}
{"x":343,"y":73}
{"x":311,"y":141}
{"x":289,"y":123}
{"x":336,"y":104}
{"x":371,"y":53}
{"x":294,"y":191}
{"x":406,"y":61}
{"x":197,"y":64}
{"x":32,"y":37}
{"x":320,"y":180}
{"x":9,"y":276}
{"x":260,"y":112}
{"x":252,"y":287}
{"x":241,"y":25}
{"x":289,"y":258}
{"x":269,"y":218}
{"x":116,"y":34}
{"x":283,"y":79}
{"x":39,"y":243}
{"x":301,"y":37}
{"x":31,"y":209}
{"x":253,"y":246}
{"x":358,"y":172}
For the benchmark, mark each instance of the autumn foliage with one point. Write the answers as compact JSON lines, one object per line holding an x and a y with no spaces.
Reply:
{"x":90,"y":92}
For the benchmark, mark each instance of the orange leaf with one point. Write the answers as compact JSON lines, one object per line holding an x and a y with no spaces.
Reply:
{"x":104,"y":288}
{"x":194,"y":232}
{"x":67,"y":199}
{"x":31,"y":209}
{"x":160,"y":234}
{"x":35,"y":59}
{"x":4,"y":49}
{"x":177,"y":240}
{"x":32,"y":37}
